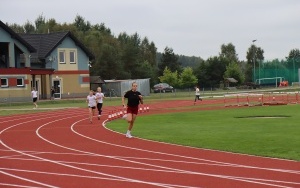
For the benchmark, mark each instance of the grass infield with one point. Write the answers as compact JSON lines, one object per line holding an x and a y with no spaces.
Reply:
{"x":271,"y":131}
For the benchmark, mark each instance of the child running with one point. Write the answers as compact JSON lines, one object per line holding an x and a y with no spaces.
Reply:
{"x":197,"y":94}
{"x":34,"y":96}
{"x":91,"y":100}
{"x":99,"y":96}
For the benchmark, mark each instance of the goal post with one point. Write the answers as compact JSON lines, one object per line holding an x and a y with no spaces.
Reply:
{"x":270,"y":81}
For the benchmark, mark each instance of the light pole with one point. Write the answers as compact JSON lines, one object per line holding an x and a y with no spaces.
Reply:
{"x":294,"y":68}
{"x":254,"y":51}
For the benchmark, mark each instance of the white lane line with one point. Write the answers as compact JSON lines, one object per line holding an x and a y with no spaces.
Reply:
{"x":123,"y":157}
{"x":209,"y":164}
{"x":180,"y":156}
{"x":189,"y":172}
{"x":55,"y":162}
{"x":29,"y":180}
{"x":108,"y":166}
{"x":91,"y":171}
{"x":10,"y":156}
{"x":277,"y":181}
{"x":7,"y":128}
{"x":48,"y":152}
{"x":19,"y":186}
{"x":242,"y":154}
{"x":154,"y":170}
{"x":88,"y":177}
{"x":29,"y":116}
{"x":143,"y":158}
{"x":81,"y":120}
{"x":39,"y":108}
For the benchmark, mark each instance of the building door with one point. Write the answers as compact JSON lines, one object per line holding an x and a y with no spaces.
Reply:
{"x":57,"y":89}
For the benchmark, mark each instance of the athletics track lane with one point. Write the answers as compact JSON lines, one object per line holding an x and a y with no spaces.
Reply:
{"x":61,"y":149}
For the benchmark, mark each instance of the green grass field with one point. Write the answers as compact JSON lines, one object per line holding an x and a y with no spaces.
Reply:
{"x":233,"y":130}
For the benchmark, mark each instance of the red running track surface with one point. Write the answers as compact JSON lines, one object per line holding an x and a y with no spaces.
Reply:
{"x":62,"y":149}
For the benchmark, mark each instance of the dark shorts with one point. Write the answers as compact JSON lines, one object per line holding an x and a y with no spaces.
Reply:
{"x":34,"y":99}
{"x":92,"y":107}
{"x":132,"y":110}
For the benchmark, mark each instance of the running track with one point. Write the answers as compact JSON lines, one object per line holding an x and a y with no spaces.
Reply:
{"x":62,"y":149}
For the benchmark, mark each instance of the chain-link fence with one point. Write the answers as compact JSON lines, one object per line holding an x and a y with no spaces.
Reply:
{"x":271,"y":73}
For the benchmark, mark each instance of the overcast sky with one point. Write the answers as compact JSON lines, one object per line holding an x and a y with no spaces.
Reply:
{"x":190,"y":27}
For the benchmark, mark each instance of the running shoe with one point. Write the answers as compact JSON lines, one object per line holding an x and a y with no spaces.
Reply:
{"x":128,"y":135}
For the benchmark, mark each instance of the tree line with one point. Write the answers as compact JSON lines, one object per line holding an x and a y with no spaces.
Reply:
{"x":130,"y":56}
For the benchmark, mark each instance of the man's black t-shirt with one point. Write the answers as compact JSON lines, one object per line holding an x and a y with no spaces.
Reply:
{"x":133,"y":98}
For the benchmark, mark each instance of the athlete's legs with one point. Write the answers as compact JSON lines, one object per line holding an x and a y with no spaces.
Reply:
{"x":99,"y":108}
{"x":131,"y":122}
{"x":90,"y":114}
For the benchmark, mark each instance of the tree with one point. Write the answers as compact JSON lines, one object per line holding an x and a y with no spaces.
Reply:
{"x":145,"y":70}
{"x":254,"y":54}
{"x":187,"y":78}
{"x":202,"y":74}
{"x":294,"y":61}
{"x":16,"y":28}
{"x":233,"y":70}
{"x":101,"y":28}
{"x":170,"y":60}
{"x":169,"y":77}
{"x":40,"y":23}
{"x":130,"y":53}
{"x":81,"y":24}
{"x":214,"y":71}
{"x":294,"y":54}
{"x":228,"y":52}
{"x":28,"y":27}
{"x":148,"y":51}
{"x":187,"y":61}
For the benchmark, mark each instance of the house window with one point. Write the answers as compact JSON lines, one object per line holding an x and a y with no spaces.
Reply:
{"x":20,"y":82}
{"x":4,"y":82}
{"x":72,"y":57}
{"x":62,"y":58}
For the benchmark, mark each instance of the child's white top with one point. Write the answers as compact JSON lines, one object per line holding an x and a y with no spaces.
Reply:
{"x":99,"y":97}
{"x":91,"y":100}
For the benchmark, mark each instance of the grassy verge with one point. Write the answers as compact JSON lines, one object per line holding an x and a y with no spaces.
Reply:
{"x":228,"y":130}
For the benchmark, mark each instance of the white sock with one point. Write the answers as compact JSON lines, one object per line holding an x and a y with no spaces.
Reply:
{"x":128,"y":131}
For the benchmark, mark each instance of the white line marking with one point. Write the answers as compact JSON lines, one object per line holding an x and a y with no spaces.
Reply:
{"x":32,"y":181}
{"x":235,"y":178}
{"x":55,"y":162}
{"x":90,"y":177}
{"x":191,"y":172}
{"x":181,"y":156}
{"x":19,"y":186}
{"x":154,"y":170}
{"x":156,"y":159}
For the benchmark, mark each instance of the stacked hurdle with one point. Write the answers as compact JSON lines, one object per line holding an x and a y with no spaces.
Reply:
{"x":261,"y":99}
{"x":242,"y":99}
{"x":293,"y":97}
{"x":255,"y":99}
{"x":118,"y":113}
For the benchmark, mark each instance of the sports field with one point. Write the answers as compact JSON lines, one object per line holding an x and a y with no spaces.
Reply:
{"x":57,"y":146}
{"x":271,"y":131}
